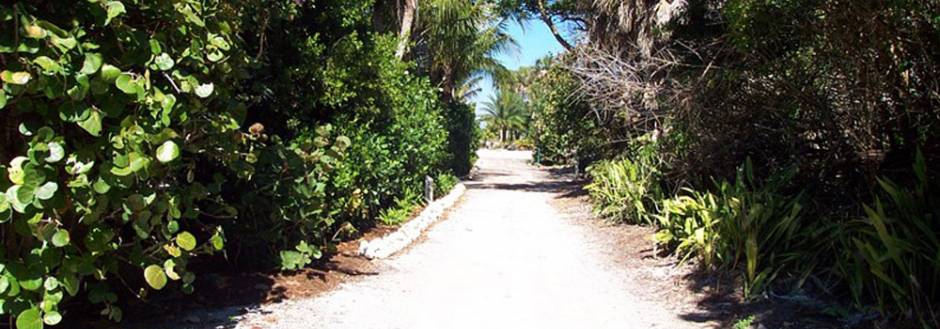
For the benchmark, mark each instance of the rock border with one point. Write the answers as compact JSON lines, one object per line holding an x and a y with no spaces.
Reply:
{"x":406,"y":234}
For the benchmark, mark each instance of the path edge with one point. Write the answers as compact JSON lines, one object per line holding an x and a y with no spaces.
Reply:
{"x":406,"y":234}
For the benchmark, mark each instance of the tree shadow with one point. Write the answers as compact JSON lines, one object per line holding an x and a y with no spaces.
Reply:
{"x":724,"y":303}
{"x":220,"y":300}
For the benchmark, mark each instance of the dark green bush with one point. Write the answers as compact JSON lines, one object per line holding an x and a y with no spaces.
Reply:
{"x":332,"y":70}
{"x":135,"y":131}
{"x":464,"y":137}
{"x":891,"y":255}
{"x":115,"y":116}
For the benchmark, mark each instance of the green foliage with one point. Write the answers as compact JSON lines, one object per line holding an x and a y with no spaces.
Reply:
{"x":125,"y":155}
{"x":844,"y":90}
{"x":402,"y":210}
{"x":745,"y":323}
{"x":750,"y":225}
{"x":444,"y":183}
{"x":627,"y":190}
{"x":891,"y":255}
{"x":563,"y":127}
{"x":506,"y":114}
{"x":390,"y":122}
{"x":113,"y":114}
{"x":302,"y":255}
{"x":463,"y":138}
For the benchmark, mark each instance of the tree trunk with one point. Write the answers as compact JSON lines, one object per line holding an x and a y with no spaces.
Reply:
{"x":551,"y":25}
{"x":409,"y":12}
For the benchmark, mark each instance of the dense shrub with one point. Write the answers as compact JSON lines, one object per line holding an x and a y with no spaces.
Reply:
{"x":627,"y":190}
{"x":890,"y":255}
{"x":332,"y":71}
{"x":464,"y":138}
{"x":115,"y":116}
{"x":747,"y":224}
{"x":563,"y":125}
{"x":840,"y":91}
{"x":139,"y":134}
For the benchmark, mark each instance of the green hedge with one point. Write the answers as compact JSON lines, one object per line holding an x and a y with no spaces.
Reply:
{"x":112,"y":111}
{"x":140,"y":134}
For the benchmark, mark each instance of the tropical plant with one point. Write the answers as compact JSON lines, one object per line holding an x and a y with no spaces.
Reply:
{"x":747,"y":225}
{"x":506,"y":113}
{"x":113,"y":114}
{"x":891,"y":255}
{"x":460,"y":40}
{"x":628,"y":190}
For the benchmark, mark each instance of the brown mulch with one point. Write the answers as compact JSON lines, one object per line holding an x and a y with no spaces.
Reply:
{"x":230,"y":289}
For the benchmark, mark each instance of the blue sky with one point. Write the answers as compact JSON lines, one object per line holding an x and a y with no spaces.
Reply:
{"x":535,"y":41}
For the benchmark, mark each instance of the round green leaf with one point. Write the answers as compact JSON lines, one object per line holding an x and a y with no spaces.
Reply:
{"x":109,"y":72}
{"x":60,"y":238}
{"x":15,"y":78}
{"x":115,"y":9}
{"x":169,"y":267}
{"x":164,"y":62}
{"x":3,"y":99}
{"x":217,"y":241}
{"x":215,"y":56}
{"x":47,"y":64}
{"x":52,"y":318}
{"x":4,"y":284}
{"x":15,"y":172}
{"x":92,"y":124}
{"x":21,"y":195}
{"x":46,"y":191}
{"x":125,"y":82}
{"x":204,"y":90}
{"x":29,"y":319}
{"x":167,"y":152}
{"x":56,"y":152}
{"x":71,"y":284}
{"x":101,"y":186}
{"x":186,"y":241}
{"x":155,"y":277}
{"x":92,"y":63}
{"x":51,"y":283}
{"x":31,"y":284}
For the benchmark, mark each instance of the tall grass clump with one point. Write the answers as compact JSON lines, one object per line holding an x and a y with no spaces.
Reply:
{"x":626,"y":190}
{"x":892,"y":254}
{"x":749,"y":225}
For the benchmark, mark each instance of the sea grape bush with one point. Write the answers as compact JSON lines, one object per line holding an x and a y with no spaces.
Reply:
{"x":111,"y":110}
{"x":139,"y":134}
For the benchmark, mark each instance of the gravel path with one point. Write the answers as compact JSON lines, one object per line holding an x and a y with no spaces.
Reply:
{"x":503,"y":258}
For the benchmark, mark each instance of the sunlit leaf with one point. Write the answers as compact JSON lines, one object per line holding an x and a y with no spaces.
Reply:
{"x":168,"y":152}
{"x":29,"y":319}
{"x":204,"y":90}
{"x":61,"y":238}
{"x":164,"y":62}
{"x":155,"y":277}
{"x":91,"y":64}
{"x":186,"y":241}
{"x":115,"y":9}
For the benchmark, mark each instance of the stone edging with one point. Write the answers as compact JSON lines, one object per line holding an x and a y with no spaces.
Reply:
{"x":411,"y":230}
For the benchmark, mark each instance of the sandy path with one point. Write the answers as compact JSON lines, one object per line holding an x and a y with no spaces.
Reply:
{"x":504,"y":258}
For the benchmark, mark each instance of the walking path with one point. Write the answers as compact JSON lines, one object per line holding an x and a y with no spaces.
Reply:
{"x":502,"y":258}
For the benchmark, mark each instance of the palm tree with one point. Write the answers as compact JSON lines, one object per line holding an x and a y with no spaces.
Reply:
{"x":506,"y":113}
{"x":460,"y":39}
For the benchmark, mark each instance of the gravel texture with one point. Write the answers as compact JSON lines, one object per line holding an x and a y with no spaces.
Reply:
{"x":503,"y":258}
